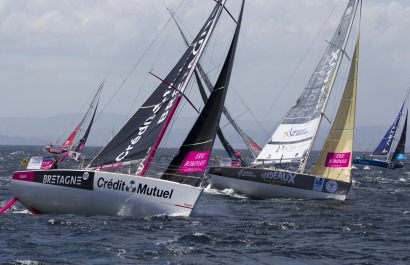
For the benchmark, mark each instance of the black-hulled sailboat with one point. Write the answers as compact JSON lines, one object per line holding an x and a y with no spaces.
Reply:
{"x":95,"y":191}
{"x":292,"y":141}
{"x":383,"y":156}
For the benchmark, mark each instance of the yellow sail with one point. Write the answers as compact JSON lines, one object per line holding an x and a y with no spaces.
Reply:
{"x":335,"y":159}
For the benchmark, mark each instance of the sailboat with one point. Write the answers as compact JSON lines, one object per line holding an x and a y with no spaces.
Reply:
{"x":383,"y":156}
{"x":293,"y":138}
{"x":67,"y":148}
{"x":98,"y":191}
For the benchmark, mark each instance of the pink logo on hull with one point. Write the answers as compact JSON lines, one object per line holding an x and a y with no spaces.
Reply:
{"x":337,"y":159}
{"x":195,"y":161}
{"x":24,"y":175}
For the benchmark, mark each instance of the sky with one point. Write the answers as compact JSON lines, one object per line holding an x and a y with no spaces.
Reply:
{"x":55,"y":53}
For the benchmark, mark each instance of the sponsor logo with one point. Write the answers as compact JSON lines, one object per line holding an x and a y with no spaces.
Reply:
{"x":334,"y":57}
{"x":170,"y":95}
{"x":337,"y":159}
{"x":331,"y":186}
{"x":67,"y":179}
{"x":195,"y":162}
{"x":243,"y":173}
{"x":132,"y":187}
{"x":286,"y":148}
{"x":286,"y":177}
{"x":318,"y":184}
{"x":295,"y":133}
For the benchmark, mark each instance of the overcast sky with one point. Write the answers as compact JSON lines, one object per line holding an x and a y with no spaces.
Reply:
{"x":54,"y":53}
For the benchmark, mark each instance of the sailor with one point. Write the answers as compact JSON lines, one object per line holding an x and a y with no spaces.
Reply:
{"x":55,"y":161}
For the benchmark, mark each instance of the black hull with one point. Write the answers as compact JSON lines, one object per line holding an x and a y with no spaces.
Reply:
{"x":267,"y":183}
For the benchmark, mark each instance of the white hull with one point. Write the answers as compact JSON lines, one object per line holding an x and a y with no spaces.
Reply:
{"x":268,"y":191}
{"x":101,"y":193}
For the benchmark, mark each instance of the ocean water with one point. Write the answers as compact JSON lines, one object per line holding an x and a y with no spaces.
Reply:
{"x":372,"y":227}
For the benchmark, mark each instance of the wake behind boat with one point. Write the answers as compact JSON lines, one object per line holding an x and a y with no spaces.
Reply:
{"x":293,"y":139}
{"x":96,"y":191}
{"x":383,"y":156}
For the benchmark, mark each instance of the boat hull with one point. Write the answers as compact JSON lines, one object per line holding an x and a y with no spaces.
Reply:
{"x":377,"y":163}
{"x":89,"y":193}
{"x":269,"y":183}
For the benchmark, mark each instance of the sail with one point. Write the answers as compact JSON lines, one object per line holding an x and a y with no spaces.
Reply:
{"x":250,"y":144}
{"x":334,"y":161}
{"x":383,"y":149}
{"x":71,"y":138}
{"x":82,"y":141}
{"x":227,"y":146}
{"x":140,"y":136}
{"x":398,"y":154}
{"x":294,"y":136}
{"x":189,"y":165}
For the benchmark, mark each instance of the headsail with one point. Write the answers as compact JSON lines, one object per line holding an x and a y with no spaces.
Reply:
{"x":83,"y":139}
{"x":398,"y":154}
{"x":334,"y":161}
{"x":70,"y":139}
{"x":140,"y":136}
{"x":227,"y":146}
{"x":294,"y":136}
{"x":189,"y":165}
{"x":250,"y":144}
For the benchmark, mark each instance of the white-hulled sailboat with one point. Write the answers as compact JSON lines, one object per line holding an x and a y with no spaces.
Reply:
{"x":293,"y":139}
{"x":94,"y":191}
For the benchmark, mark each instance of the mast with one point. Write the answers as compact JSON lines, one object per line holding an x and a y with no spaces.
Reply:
{"x":189,"y":165}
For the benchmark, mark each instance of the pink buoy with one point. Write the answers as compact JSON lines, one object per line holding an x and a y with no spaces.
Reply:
{"x":10,"y":203}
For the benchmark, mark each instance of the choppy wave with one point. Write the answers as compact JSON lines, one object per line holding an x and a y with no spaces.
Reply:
{"x":370,"y":227}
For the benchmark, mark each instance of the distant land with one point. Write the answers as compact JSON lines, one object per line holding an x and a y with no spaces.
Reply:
{"x":41,"y":131}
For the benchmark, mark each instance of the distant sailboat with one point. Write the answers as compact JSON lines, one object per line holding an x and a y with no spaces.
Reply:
{"x":67,"y":148}
{"x":383,"y":156}
{"x":293,"y":139}
{"x":96,"y":191}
